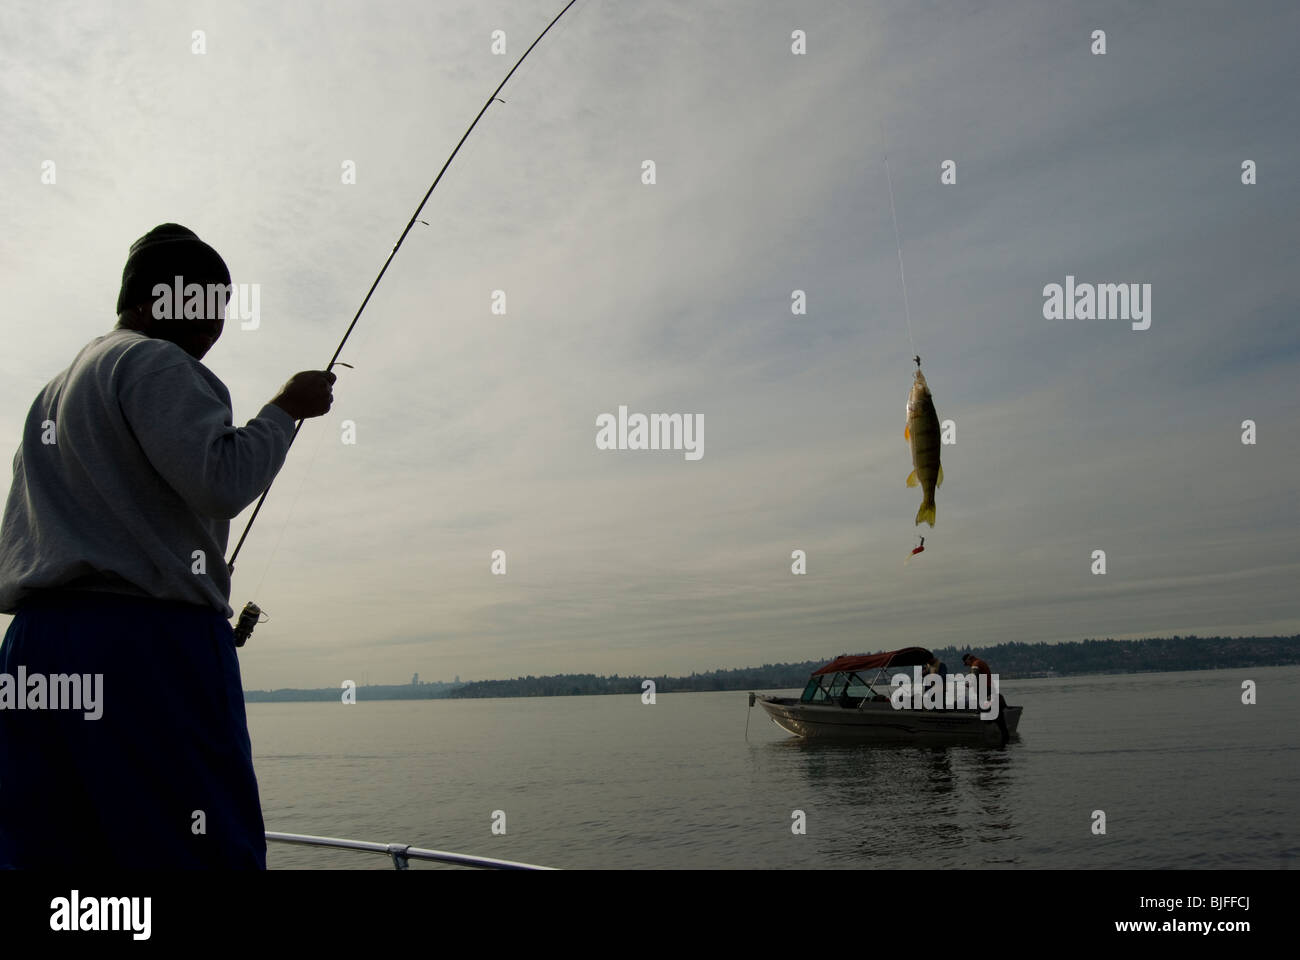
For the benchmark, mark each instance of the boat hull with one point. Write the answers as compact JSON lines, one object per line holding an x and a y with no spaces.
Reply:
{"x":879,"y":722}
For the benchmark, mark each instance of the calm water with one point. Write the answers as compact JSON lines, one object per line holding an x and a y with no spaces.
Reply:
{"x":1187,"y":777}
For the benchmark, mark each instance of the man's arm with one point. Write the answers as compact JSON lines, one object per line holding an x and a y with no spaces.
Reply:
{"x":185,"y":430}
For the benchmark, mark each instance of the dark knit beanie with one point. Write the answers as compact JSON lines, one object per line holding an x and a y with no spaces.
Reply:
{"x":164,"y":253}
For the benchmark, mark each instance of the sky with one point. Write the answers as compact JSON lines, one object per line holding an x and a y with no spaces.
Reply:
{"x":476,"y":431}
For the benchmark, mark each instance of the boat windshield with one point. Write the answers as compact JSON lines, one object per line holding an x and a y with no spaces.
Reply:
{"x":835,"y":685}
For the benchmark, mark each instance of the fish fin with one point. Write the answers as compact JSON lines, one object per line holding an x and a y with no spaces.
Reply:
{"x":911,"y":479}
{"x":907,"y":431}
{"x":939,"y":481}
{"x":926,"y":513}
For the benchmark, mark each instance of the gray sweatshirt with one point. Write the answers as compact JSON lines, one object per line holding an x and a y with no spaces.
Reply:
{"x":128,"y":474}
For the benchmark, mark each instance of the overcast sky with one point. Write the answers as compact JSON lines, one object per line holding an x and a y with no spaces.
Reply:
{"x":476,"y":432}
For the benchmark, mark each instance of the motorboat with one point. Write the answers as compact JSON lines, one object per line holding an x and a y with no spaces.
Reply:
{"x":840,"y":703}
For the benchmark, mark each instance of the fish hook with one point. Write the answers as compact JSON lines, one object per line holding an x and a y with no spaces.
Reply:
{"x":915,"y":550}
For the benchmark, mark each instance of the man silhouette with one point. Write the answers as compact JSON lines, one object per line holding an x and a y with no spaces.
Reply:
{"x":112,"y":550}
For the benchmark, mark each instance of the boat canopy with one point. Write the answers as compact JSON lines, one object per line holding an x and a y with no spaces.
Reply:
{"x":907,"y":657}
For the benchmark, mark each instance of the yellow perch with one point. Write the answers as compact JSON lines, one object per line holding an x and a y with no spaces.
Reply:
{"x":922,"y":432}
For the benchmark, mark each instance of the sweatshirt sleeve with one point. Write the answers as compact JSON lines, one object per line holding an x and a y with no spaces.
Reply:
{"x":185,"y":429}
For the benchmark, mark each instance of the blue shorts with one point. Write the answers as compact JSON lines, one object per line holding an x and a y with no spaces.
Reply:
{"x":163,"y":778}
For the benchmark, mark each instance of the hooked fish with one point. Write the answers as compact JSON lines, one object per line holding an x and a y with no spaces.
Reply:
{"x":922,"y":432}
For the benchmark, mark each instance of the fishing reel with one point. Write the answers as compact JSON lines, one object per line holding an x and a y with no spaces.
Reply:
{"x":249,"y":617}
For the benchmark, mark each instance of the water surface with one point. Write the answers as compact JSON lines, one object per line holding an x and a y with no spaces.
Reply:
{"x":1187,"y":777}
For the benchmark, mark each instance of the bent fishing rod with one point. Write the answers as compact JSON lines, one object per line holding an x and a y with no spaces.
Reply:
{"x":245,"y":621}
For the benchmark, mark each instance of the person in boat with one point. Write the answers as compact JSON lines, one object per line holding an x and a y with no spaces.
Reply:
{"x":937,"y":666}
{"x":112,"y":549}
{"x":977,"y":666}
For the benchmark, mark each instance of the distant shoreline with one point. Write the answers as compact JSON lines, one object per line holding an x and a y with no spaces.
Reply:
{"x":1012,"y":661}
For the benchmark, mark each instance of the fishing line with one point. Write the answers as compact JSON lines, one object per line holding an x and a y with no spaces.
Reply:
{"x":230,"y":564}
{"x":907,"y":314}
{"x":898,"y":238}
{"x":452,"y":194}
{"x":250,"y":609}
{"x":293,"y":504}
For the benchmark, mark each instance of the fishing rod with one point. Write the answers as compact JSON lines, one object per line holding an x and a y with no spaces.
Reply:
{"x":249,"y":617}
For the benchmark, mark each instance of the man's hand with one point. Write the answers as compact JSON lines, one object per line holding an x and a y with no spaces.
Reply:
{"x":307,"y":394}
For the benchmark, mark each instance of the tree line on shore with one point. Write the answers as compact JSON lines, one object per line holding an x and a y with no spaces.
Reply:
{"x":1010,"y":661}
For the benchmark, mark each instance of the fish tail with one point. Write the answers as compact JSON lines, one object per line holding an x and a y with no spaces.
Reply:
{"x":926,"y":513}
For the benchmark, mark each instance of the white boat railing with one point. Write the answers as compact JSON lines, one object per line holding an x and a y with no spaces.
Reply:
{"x":403,"y":853}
